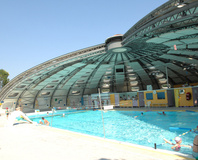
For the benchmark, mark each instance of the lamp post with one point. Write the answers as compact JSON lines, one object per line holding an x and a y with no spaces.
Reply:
{"x":101,"y":112}
{"x":167,"y":77}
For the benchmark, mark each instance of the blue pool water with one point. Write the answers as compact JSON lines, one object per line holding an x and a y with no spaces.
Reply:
{"x":145,"y":130}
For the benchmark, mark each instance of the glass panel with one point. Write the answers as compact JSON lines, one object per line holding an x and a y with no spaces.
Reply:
{"x":160,"y":95}
{"x":149,"y":96}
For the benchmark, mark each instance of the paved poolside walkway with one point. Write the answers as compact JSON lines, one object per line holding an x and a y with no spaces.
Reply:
{"x":34,"y":142}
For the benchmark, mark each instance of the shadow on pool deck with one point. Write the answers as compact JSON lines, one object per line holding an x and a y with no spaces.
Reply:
{"x":32,"y":142}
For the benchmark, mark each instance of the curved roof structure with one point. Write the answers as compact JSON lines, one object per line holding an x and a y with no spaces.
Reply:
{"x":159,"y":50}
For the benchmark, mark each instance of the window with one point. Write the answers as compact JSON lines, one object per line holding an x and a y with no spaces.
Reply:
{"x":13,"y":95}
{"x":45,"y":93}
{"x":160,"y":95}
{"x":20,"y":86}
{"x":29,"y":80}
{"x":149,"y":96}
{"x":49,"y":86}
{"x":76,"y":92}
{"x":55,"y":80}
{"x":119,"y":70}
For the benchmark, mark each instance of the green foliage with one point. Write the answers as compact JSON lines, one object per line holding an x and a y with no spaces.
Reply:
{"x":4,"y":77}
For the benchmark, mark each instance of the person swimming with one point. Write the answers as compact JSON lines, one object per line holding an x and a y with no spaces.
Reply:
{"x":141,"y":114}
{"x":163,"y":113}
{"x":178,"y":144}
{"x":46,"y":122}
{"x":196,"y":129}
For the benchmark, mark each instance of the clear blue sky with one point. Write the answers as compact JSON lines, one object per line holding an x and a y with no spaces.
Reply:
{"x":35,"y":31}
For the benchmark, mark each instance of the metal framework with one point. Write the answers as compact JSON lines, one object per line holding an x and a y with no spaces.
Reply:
{"x":159,"y":50}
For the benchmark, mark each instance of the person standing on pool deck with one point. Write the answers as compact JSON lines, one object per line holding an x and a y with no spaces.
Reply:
{"x":178,"y":144}
{"x":46,"y":122}
{"x":7,"y":112}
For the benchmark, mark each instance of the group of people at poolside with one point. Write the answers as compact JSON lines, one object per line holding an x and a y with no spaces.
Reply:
{"x":18,"y":113}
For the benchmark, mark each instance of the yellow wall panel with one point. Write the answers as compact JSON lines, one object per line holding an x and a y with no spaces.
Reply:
{"x":112,"y":99}
{"x":155,"y":101}
{"x":182,"y":97}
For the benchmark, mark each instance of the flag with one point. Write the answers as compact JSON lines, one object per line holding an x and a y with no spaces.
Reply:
{"x":175,"y":47}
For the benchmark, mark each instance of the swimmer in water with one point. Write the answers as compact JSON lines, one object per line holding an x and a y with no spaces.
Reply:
{"x":46,"y":122}
{"x":163,"y":113}
{"x":196,"y":129}
{"x":178,"y":144}
{"x":141,"y":114}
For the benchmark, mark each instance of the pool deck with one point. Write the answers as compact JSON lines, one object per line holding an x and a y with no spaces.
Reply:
{"x":30,"y":141}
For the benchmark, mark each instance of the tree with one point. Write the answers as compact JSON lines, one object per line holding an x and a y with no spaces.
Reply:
{"x":3,"y":77}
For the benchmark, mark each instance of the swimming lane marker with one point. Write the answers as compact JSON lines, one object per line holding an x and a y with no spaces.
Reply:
{"x":178,"y":128}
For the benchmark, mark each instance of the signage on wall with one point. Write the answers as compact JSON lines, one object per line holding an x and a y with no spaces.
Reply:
{"x":181,"y":91}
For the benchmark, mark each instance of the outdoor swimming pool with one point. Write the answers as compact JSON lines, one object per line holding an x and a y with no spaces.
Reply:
{"x":145,"y":130}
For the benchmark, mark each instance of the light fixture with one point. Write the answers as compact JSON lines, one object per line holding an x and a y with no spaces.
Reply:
{"x":105,"y":90}
{"x":75,"y":92}
{"x":49,"y":86}
{"x":159,"y":75}
{"x":162,"y":80}
{"x":180,"y":5}
{"x":108,"y":72}
{"x":132,"y":78}
{"x":45,"y":93}
{"x":166,"y":86}
{"x":151,"y":67}
{"x":134,"y":83}
{"x":105,"y":86}
{"x":134,"y":89}
{"x":131,"y":74}
{"x":106,"y":80}
{"x":80,"y":81}
{"x":130,"y":70}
